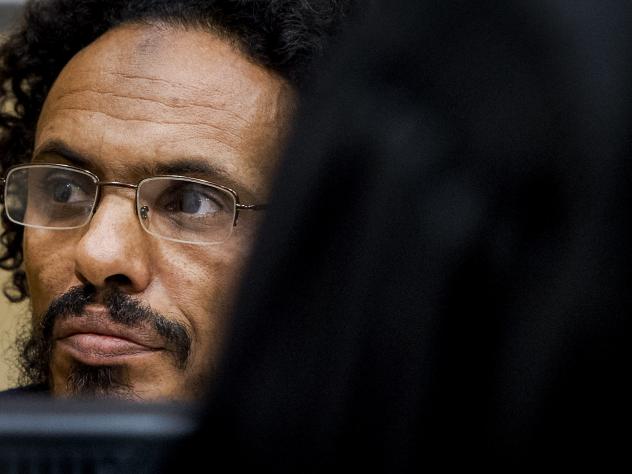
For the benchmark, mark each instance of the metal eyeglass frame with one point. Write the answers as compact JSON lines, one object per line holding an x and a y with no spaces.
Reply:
{"x":140,"y":211}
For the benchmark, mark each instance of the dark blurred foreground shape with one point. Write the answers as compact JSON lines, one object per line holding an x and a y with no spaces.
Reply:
{"x":40,"y":435}
{"x":444,"y":275}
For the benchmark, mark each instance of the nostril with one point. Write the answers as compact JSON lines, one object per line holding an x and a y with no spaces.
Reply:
{"x":118,"y":280}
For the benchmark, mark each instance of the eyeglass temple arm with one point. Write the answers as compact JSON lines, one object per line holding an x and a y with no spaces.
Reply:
{"x":251,"y":207}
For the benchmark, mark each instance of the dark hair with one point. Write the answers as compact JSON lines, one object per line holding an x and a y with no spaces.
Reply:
{"x":282,"y":35}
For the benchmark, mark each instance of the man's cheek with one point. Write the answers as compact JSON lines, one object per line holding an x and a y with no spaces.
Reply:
{"x":49,"y":272}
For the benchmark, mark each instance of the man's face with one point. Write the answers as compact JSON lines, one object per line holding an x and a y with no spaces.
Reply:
{"x":137,"y":100}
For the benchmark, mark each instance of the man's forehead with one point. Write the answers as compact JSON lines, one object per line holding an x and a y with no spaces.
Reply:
{"x":137,"y":94}
{"x":161,"y":64}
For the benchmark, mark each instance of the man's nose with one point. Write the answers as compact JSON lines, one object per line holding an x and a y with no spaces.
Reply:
{"x":114,"y":247}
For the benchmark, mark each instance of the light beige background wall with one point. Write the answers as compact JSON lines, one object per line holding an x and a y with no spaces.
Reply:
{"x":13,"y":317}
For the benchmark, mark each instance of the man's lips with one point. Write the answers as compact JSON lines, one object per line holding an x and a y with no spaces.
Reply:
{"x":94,"y":338}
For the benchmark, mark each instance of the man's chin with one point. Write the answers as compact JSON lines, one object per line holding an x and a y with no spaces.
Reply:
{"x":151,"y":377}
{"x":85,"y":381}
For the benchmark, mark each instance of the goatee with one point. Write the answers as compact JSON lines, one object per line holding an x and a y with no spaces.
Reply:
{"x":36,"y":347}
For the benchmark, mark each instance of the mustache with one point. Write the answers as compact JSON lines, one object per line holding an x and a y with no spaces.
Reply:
{"x":122,"y":309}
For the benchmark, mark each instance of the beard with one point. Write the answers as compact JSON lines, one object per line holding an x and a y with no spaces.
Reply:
{"x":36,"y":346}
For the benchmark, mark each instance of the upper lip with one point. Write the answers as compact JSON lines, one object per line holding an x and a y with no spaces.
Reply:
{"x":99,"y":322}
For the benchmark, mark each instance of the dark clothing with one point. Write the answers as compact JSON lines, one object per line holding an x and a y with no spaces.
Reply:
{"x":27,"y":390}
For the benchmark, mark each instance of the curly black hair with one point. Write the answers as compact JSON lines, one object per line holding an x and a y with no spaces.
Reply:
{"x":282,"y":35}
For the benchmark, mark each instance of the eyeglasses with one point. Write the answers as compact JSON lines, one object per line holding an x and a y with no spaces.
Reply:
{"x":177,"y":208}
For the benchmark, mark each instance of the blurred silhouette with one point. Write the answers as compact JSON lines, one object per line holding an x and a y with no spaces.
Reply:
{"x":444,"y":274}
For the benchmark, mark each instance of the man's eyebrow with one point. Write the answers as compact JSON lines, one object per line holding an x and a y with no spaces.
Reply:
{"x":199,"y":167}
{"x":60,"y":148}
{"x":202,"y":168}
{"x":186,"y":166}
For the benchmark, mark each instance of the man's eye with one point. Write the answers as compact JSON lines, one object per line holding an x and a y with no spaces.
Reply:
{"x":64,"y":191}
{"x":192,"y":202}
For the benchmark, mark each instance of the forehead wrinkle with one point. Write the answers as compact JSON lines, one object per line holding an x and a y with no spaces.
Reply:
{"x":178,"y":86}
{"x":217,"y":111}
{"x":158,"y":102}
{"x":105,"y":80}
{"x":212,"y":123}
{"x":201,"y":126}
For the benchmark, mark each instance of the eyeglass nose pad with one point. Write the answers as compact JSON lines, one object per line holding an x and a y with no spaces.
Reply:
{"x":144,"y":213}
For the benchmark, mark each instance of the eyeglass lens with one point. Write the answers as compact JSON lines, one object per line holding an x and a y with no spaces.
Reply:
{"x":49,"y":197}
{"x":185,"y":211}
{"x":180,"y":209}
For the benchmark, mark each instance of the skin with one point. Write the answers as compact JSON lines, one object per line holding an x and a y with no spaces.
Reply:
{"x":138,"y":97}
